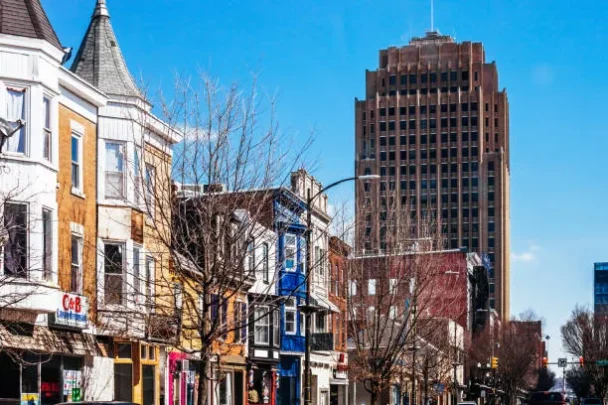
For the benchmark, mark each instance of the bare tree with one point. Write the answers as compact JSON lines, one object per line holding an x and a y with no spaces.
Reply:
{"x":213,"y":216}
{"x":516,"y":344}
{"x":578,"y":380}
{"x":391,"y":292}
{"x":585,"y":335}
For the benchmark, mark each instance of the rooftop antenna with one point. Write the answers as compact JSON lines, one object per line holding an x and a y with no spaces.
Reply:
{"x":432,"y":16}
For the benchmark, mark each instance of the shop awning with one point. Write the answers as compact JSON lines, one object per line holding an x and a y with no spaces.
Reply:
{"x":42,"y":339}
{"x":323,"y":302}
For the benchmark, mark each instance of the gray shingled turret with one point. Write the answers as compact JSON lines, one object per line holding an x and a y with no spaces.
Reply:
{"x":99,"y":60}
{"x":26,"y":18}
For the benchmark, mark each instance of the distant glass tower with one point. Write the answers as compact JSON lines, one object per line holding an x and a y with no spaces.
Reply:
{"x":600,"y":283}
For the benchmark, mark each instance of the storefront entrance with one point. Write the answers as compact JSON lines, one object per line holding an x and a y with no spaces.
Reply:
{"x":45,"y":379}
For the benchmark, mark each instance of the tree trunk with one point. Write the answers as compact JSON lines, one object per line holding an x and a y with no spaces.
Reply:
{"x":203,"y":381}
{"x":374,"y":398}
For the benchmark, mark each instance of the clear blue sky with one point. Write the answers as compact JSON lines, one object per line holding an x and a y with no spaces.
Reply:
{"x":551,"y":56}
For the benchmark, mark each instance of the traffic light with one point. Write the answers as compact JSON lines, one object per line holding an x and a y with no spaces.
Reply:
{"x":494,"y":363}
{"x":581,"y":361}
{"x":545,"y":362}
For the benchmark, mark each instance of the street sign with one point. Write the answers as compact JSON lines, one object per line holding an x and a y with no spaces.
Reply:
{"x":602,"y":363}
{"x":562,"y":362}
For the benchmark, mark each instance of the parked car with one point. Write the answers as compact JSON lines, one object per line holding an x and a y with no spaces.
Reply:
{"x":547,"y":398}
{"x":98,"y":403}
{"x":592,"y":401}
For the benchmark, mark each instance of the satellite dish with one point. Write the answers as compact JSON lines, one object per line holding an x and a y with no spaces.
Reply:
{"x":8,"y":129}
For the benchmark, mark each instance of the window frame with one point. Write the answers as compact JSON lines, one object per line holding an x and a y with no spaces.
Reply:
{"x":47,"y":244}
{"x":122,"y":274}
{"x":76,"y":286}
{"x":261,"y":322}
{"x":150,"y":188}
{"x":290,"y":307}
{"x":25,"y":113}
{"x":122,"y":191}
{"x":25,"y":229}
{"x":75,"y":135}
{"x":47,"y":128}
{"x":371,"y":287}
{"x":266,"y":262}
{"x":287,"y":248}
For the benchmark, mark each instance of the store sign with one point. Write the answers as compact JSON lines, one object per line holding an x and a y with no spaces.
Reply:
{"x":29,"y":399}
{"x":72,"y":311}
{"x":340,"y":375}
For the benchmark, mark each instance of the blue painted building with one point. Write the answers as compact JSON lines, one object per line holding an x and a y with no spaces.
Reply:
{"x":288,"y":213}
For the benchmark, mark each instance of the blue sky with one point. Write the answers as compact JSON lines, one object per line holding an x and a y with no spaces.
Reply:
{"x":313,"y":54}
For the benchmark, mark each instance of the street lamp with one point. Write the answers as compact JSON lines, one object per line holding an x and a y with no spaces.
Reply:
{"x":308,"y":309}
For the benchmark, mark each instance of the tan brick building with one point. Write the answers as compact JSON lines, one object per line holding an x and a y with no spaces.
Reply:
{"x":434,"y":125}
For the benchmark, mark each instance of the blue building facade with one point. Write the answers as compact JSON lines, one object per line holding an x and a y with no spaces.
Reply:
{"x":288,"y":213}
{"x":600,"y":284}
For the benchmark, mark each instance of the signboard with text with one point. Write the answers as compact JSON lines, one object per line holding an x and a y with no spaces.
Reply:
{"x":72,"y":311}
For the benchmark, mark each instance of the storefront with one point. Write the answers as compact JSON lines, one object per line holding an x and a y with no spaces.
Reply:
{"x":181,"y":379}
{"x":290,"y":381}
{"x":339,"y":386}
{"x":228,"y":386}
{"x":136,"y":372}
{"x":262,"y":383}
{"x":45,"y":365}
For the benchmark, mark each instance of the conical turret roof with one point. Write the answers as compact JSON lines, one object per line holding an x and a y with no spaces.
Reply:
{"x":26,"y":18}
{"x":99,"y":59}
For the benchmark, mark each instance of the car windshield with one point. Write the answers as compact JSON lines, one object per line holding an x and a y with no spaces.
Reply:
{"x":546,"y":396}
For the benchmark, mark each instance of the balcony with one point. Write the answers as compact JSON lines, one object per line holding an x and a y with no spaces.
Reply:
{"x":322,"y":342}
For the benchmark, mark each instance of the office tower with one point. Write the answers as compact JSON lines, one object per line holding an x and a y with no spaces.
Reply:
{"x":600,"y":284}
{"x":435,"y":126}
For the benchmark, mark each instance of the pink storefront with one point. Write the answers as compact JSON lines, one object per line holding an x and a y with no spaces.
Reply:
{"x":182,"y":379}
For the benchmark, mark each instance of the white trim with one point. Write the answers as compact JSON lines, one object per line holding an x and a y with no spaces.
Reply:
{"x":77,"y":228}
{"x":76,"y":126}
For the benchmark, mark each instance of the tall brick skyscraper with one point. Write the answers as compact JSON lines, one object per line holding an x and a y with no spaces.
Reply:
{"x":435,"y":126}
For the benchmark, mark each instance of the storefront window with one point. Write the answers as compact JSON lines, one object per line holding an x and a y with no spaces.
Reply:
{"x":29,"y":375}
{"x":124,"y":350}
{"x":123,"y":382}
{"x":50,"y":380}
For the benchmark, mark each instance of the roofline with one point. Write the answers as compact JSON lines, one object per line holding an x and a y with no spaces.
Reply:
{"x":34,"y":44}
{"x":443,"y":251}
{"x":81,"y":87}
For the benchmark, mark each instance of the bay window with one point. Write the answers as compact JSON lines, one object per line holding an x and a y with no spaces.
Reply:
{"x":265,"y":263}
{"x":150,"y":177}
{"x":276,"y":316}
{"x":47,"y":243}
{"x":290,"y":253}
{"x":290,"y":316}
{"x":47,"y":133}
{"x":16,"y":246}
{"x":15,"y":110}
{"x":115,"y":167}
{"x":262,"y":325}
{"x":137,"y":276}
{"x":113,"y":272}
